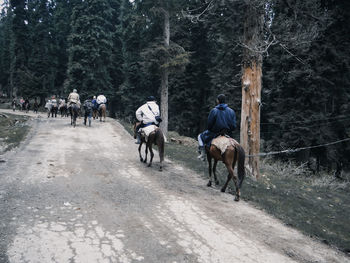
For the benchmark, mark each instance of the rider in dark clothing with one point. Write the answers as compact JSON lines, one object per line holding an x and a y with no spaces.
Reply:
{"x":222,"y":119}
{"x":88,"y":106}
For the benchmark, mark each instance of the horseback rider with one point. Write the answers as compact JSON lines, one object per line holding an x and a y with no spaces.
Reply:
{"x":94,"y":102}
{"x":36,"y":106}
{"x":73,"y":98}
{"x":14,"y":103}
{"x":21,"y":103}
{"x":88,"y":105}
{"x":61,"y":102}
{"x":101,"y":99}
{"x":147,"y":114}
{"x":53,"y":101}
{"x":221,"y":120}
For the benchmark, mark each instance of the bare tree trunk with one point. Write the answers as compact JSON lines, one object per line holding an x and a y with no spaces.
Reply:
{"x":251,"y":86}
{"x":13,"y":91}
{"x":165,"y":77}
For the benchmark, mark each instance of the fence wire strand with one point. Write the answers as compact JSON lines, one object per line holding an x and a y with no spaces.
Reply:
{"x":296,"y":149}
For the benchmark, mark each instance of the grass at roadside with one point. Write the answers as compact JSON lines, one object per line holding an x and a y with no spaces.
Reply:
{"x":13,"y":129}
{"x":319,"y":205}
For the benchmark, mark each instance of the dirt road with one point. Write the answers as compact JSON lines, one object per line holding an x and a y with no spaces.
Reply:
{"x":81,"y":195}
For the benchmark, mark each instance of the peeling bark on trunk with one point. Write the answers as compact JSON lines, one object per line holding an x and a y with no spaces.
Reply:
{"x":165,"y":77}
{"x":251,"y":87}
{"x":250,"y":117}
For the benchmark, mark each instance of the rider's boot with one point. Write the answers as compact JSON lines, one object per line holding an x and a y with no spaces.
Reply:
{"x":201,"y":151}
{"x":138,"y":139}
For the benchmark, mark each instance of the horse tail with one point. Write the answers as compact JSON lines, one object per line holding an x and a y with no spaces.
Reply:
{"x":240,"y":168}
{"x":160,"y":143}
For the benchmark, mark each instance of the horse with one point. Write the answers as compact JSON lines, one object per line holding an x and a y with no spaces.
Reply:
{"x":26,"y":106}
{"x":234,"y":152}
{"x":35,"y":107}
{"x":156,"y":137}
{"x":74,"y":112}
{"x":14,"y":105}
{"x":63,"y":109}
{"x":53,"y":111}
{"x":95,"y":113}
{"x":102,"y":112}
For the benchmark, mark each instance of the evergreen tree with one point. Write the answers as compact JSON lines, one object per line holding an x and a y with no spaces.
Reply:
{"x":18,"y":47}
{"x":308,"y":88}
{"x":90,"y":48}
{"x":61,"y":16}
{"x":39,"y":74}
{"x":5,"y":43}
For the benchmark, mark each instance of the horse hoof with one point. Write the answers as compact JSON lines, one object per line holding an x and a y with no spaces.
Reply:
{"x":209,"y":184}
{"x":144,"y":161}
{"x":217,"y":182}
{"x":160,"y":169}
{"x":141,"y":160}
{"x":222,"y":190}
{"x":149,"y":165}
{"x":237,"y":198}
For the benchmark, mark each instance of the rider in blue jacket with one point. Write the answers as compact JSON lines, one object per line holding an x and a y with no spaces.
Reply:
{"x":222,"y":119}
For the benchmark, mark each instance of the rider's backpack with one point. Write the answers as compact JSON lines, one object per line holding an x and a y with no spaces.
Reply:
{"x":88,"y":105}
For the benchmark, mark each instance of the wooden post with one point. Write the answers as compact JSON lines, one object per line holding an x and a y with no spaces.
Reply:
{"x":251,"y":86}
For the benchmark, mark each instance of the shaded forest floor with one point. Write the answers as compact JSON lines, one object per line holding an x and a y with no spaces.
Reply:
{"x":13,"y":129}
{"x":317,"y":205}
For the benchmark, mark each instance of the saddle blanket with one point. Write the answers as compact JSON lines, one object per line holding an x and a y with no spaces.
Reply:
{"x":222,"y":142}
{"x":147,"y":130}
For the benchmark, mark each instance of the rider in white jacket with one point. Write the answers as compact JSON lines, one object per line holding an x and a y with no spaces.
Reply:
{"x":146,"y":114}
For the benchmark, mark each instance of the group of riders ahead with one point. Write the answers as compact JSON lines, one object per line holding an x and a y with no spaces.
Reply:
{"x":221,"y":121}
{"x":63,"y":105}
{"x":90,"y":105}
{"x":23,"y":104}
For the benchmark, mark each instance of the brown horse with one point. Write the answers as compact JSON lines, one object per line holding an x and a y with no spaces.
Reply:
{"x":102,"y":112}
{"x":233,"y":152}
{"x":95,"y":113}
{"x":157,"y":138}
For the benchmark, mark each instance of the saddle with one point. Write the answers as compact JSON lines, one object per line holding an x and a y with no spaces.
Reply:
{"x":146,"y":131}
{"x":222,"y":142}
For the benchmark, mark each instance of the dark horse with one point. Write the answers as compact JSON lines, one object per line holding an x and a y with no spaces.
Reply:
{"x":26,"y":106}
{"x":63,"y":110}
{"x":53,"y":111}
{"x":74,"y":112}
{"x":157,"y":138}
{"x":233,"y":152}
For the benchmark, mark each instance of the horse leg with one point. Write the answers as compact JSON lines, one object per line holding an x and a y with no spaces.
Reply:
{"x":152,"y":154}
{"x":209,"y":162}
{"x":141,"y":159}
{"x":214,"y":172}
{"x":146,"y":152}
{"x":238,"y":193}
{"x":228,"y":165}
{"x":235,"y":180}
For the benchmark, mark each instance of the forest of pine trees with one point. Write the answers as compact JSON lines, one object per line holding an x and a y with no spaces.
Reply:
{"x":186,"y":52}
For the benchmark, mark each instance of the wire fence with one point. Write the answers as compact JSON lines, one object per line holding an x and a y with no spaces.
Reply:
{"x":297,"y":149}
